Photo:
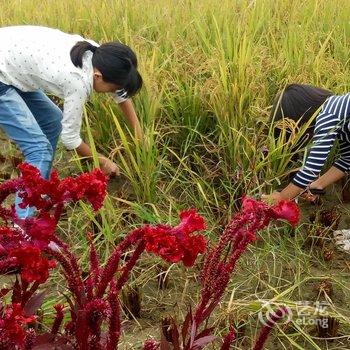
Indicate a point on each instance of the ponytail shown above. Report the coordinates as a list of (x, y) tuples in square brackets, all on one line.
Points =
[(134, 82), (118, 65), (78, 50)]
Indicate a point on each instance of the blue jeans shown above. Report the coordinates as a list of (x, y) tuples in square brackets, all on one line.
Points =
[(33, 122)]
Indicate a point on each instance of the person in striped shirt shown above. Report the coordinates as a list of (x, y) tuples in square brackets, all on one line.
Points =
[(331, 124), (300, 102)]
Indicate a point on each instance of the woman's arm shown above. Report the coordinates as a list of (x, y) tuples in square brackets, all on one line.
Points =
[(108, 166), (129, 111), (330, 176), (288, 193)]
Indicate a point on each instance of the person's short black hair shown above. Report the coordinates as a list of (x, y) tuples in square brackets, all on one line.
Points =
[(298, 102), (116, 62)]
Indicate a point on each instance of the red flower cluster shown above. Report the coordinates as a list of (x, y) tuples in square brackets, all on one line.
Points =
[(9, 239), (228, 340), (221, 260), (176, 244), (32, 265), (97, 310), (44, 194), (252, 206), (21, 254), (94, 303), (26, 246), (286, 210), (58, 319), (40, 229), (21, 247), (151, 345), (12, 324)]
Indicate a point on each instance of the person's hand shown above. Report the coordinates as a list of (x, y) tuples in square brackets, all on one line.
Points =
[(316, 185), (273, 198), (312, 193), (309, 197), (108, 167)]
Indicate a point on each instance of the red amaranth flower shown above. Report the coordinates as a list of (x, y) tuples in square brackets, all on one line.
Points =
[(150, 344), (221, 260), (265, 331), (114, 323), (33, 267), (286, 210), (96, 311), (229, 338), (58, 319), (30, 338)]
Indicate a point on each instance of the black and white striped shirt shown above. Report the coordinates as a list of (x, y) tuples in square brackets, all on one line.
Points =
[(332, 123)]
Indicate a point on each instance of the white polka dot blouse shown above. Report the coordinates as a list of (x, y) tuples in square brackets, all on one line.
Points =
[(38, 58)]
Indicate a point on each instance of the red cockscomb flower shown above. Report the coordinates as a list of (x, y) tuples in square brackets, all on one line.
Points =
[(33, 267), (159, 241), (286, 210), (90, 186), (40, 229), (176, 244), (251, 205), (44, 194), (191, 222), (193, 246)]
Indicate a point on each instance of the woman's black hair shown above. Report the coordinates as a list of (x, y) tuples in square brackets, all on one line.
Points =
[(116, 62), (298, 102)]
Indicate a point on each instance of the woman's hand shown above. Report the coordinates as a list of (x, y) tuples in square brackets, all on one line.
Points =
[(108, 167), (289, 193), (309, 197), (316, 185), (273, 198)]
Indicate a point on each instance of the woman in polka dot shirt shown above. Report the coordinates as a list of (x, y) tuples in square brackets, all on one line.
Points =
[(35, 60)]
